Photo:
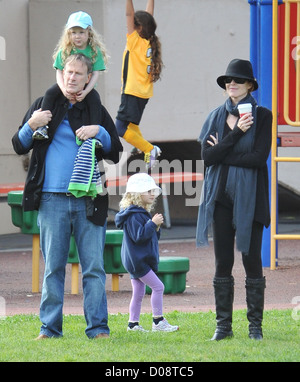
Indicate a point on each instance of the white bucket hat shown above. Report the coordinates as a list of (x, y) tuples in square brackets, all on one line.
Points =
[(142, 182)]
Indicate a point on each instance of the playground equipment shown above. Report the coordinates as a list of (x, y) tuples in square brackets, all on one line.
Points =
[(172, 270), (275, 55), (289, 81), (27, 221)]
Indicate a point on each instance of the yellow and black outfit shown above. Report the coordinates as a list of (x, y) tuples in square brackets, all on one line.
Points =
[(137, 88)]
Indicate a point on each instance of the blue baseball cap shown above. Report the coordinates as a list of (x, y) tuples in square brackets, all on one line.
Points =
[(79, 19)]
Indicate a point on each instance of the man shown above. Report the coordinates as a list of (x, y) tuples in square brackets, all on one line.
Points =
[(60, 213)]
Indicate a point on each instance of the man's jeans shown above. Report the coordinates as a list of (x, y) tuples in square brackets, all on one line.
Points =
[(59, 216)]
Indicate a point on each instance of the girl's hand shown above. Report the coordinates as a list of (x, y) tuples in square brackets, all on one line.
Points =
[(214, 140), (81, 95), (158, 219), (70, 96)]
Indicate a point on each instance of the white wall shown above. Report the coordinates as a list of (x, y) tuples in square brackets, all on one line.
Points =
[(199, 38)]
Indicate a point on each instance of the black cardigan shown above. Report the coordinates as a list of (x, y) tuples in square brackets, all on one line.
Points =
[(222, 153), (78, 116)]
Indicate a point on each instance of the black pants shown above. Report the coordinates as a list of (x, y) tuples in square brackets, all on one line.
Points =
[(224, 237)]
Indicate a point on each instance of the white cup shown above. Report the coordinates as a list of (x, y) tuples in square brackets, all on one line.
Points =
[(245, 108)]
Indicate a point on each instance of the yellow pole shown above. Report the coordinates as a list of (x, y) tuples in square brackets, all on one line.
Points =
[(287, 237), (115, 282), (286, 83), (287, 159), (35, 262), (74, 278), (274, 138)]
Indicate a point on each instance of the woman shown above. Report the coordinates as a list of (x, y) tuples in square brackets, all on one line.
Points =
[(235, 195)]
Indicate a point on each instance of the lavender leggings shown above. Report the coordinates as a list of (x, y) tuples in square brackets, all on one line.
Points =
[(138, 292)]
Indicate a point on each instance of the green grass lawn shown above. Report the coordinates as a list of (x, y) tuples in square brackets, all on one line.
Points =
[(190, 344)]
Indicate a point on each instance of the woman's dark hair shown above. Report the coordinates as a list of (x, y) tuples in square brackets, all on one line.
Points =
[(148, 24)]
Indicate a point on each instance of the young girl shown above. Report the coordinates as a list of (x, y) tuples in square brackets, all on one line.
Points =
[(142, 66), (140, 255), (78, 36)]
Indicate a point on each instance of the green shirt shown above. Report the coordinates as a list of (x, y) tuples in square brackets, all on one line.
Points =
[(98, 64)]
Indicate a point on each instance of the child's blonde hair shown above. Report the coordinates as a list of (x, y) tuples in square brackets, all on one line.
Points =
[(95, 41), (135, 199)]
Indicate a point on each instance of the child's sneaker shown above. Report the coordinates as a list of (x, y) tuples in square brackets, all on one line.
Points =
[(150, 158), (164, 326), (136, 328), (41, 133)]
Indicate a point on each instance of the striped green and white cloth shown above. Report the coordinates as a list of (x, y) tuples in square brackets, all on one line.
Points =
[(86, 179)]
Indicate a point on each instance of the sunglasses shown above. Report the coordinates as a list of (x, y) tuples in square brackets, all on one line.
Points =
[(237, 80)]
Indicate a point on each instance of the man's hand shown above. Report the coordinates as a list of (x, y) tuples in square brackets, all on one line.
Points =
[(39, 118), (86, 132)]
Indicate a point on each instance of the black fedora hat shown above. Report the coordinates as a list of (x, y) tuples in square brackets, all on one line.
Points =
[(238, 68)]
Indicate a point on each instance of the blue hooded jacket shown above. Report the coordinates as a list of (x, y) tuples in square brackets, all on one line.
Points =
[(139, 250)]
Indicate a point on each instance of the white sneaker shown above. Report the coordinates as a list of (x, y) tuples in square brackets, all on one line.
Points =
[(164, 326), (150, 158), (136, 328)]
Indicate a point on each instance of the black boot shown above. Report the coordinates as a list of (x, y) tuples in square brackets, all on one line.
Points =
[(223, 287), (255, 292)]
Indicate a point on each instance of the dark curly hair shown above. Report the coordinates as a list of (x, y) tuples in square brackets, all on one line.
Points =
[(148, 24)]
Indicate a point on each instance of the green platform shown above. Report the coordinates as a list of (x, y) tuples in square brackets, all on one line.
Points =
[(111, 255), (112, 252), (27, 222), (172, 272)]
